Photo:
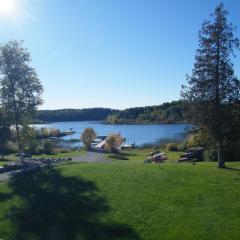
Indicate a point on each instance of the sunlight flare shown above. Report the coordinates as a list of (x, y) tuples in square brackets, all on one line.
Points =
[(7, 7)]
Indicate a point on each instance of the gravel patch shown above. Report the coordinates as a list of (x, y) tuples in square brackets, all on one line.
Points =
[(93, 157)]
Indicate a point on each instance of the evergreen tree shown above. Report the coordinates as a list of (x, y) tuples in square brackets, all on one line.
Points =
[(213, 91)]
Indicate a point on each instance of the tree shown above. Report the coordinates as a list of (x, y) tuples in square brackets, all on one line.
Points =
[(20, 88), (87, 137), (48, 147), (28, 138), (213, 91), (5, 132), (113, 142)]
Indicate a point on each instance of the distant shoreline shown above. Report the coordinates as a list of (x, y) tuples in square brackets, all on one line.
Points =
[(123, 123)]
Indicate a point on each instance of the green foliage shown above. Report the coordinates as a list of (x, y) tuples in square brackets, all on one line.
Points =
[(210, 155), (213, 91), (48, 147), (172, 147), (93, 114), (20, 88), (12, 147), (27, 137), (34, 147), (165, 113)]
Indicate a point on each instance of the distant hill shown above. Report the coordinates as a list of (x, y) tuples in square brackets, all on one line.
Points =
[(173, 112), (64, 115)]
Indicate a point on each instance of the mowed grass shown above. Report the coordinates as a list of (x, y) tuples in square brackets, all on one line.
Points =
[(142, 154), (76, 153), (123, 200)]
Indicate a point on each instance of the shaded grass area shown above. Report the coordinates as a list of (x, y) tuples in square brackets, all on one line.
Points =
[(61, 155), (49, 205), (8, 159), (123, 200), (125, 155), (12, 158)]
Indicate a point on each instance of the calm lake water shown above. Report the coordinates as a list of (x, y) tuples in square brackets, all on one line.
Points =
[(140, 134)]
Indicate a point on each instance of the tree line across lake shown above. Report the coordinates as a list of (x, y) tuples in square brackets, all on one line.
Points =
[(173, 112)]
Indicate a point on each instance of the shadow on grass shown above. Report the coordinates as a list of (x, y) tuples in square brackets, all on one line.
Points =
[(122, 155), (57, 207), (232, 169), (4, 196), (4, 160)]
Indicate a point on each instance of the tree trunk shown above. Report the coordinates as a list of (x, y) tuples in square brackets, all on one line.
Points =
[(221, 161), (19, 144)]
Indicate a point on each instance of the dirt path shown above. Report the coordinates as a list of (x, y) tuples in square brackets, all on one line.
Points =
[(92, 157), (4, 177)]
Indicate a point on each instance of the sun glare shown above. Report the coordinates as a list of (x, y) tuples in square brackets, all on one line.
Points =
[(7, 7)]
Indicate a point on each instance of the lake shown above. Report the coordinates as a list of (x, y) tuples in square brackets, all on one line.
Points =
[(138, 134)]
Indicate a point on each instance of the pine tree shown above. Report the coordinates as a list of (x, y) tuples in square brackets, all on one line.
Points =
[(213, 90)]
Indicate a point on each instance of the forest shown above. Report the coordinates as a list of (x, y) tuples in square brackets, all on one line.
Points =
[(172, 112), (64, 115)]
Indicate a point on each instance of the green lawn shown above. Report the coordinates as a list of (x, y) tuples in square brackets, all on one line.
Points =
[(142, 154), (61, 155), (123, 200)]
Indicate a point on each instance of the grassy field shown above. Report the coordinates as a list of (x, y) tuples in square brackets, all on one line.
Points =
[(123, 200), (61, 155), (142, 154)]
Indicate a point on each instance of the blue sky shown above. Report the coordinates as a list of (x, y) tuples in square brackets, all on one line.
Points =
[(110, 53)]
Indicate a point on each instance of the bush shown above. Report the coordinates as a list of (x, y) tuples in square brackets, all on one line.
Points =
[(48, 147), (172, 147), (11, 147), (183, 146), (210, 155), (63, 150), (33, 147)]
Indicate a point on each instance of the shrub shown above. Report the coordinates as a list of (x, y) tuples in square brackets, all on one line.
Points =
[(11, 147), (64, 150), (210, 155), (34, 147), (183, 146), (48, 147), (172, 147)]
